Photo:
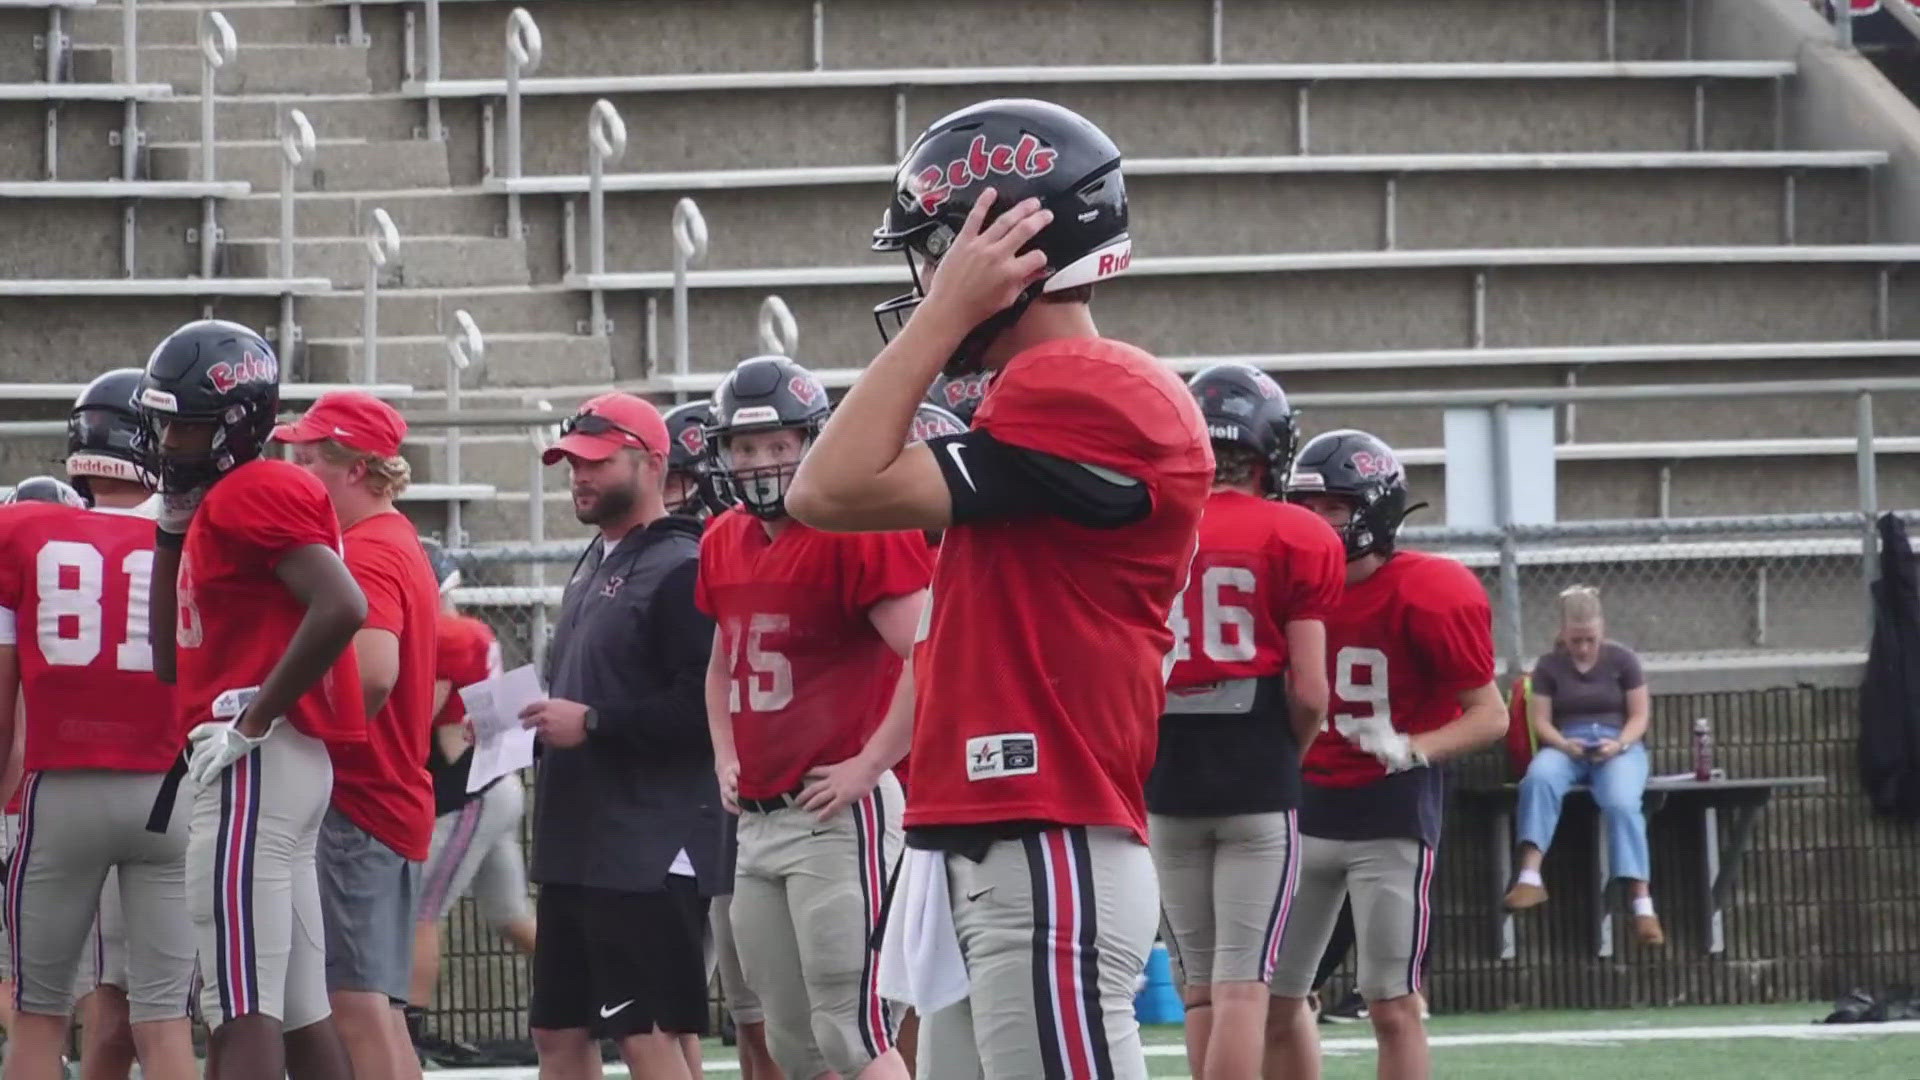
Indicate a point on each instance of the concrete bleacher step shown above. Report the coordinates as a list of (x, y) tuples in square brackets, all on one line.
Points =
[(254, 23), (415, 312), (337, 165), (486, 457), (259, 68), (423, 261), (415, 212), (257, 116), (512, 360)]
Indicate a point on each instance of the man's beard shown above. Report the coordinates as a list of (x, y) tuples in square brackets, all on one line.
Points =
[(612, 504)]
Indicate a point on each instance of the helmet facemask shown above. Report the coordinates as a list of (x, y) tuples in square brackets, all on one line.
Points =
[(761, 489)]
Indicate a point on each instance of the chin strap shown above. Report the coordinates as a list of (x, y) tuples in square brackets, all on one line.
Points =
[(966, 357)]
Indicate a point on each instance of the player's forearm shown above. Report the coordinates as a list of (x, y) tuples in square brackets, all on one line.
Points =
[(161, 611), (894, 737), (1307, 710), (324, 633), (869, 427), (720, 722), (1480, 724)]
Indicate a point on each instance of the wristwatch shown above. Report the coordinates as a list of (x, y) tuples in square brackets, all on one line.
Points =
[(592, 720)]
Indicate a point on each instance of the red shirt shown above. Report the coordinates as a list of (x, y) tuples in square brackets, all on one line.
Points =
[(76, 584), (1401, 648), (1261, 565), (465, 653), (235, 618), (382, 784), (810, 676), (1041, 679)]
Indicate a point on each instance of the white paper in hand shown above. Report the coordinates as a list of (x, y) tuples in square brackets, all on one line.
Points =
[(500, 744)]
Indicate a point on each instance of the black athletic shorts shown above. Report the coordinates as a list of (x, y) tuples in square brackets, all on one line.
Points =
[(620, 963)]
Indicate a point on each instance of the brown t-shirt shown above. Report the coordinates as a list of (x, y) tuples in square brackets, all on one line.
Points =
[(1595, 696)]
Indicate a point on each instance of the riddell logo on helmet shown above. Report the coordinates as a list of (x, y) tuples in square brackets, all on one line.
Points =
[(250, 368), (1114, 262), (932, 186)]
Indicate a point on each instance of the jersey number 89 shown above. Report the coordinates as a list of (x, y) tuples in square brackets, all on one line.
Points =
[(70, 616)]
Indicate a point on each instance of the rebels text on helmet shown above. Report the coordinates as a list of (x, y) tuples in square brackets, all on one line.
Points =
[(934, 185)]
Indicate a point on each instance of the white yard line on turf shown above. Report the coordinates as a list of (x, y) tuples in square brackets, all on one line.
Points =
[(1597, 1036)]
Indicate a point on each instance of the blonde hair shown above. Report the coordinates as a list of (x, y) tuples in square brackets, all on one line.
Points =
[(387, 477), (1579, 604)]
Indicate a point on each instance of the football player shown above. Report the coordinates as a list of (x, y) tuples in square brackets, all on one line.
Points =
[(812, 629), (1070, 511), (476, 836), (1247, 693), (690, 487), (254, 610), (379, 828), (73, 644), (1410, 657)]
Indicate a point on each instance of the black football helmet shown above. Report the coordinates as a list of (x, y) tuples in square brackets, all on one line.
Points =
[(959, 395), (102, 431), (446, 572), (766, 393), (931, 422), (215, 372), (45, 489), (1023, 149), (687, 456), (1244, 407), (1366, 471)]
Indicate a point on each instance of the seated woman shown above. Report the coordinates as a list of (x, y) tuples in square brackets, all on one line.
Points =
[(1588, 706)]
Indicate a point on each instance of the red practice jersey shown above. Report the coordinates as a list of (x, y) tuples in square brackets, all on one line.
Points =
[(235, 617), (1042, 673), (810, 677), (74, 586), (1261, 565), (382, 784), (465, 653), (1401, 648)]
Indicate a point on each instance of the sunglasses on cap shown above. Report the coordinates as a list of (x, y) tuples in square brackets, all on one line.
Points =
[(591, 423)]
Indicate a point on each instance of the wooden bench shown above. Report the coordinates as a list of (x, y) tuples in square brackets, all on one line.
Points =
[(1742, 797)]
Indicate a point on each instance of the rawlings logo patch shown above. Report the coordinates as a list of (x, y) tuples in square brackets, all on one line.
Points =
[(933, 186)]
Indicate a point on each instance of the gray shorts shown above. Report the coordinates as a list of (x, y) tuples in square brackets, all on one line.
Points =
[(75, 827), (1225, 884), (1390, 882), (476, 849), (367, 899)]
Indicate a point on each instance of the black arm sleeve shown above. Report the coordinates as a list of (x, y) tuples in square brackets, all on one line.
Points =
[(992, 481), (673, 718)]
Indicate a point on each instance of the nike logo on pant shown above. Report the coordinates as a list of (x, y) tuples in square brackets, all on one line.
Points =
[(609, 1010)]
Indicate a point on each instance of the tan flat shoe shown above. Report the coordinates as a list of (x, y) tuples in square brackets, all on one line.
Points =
[(1647, 929), (1523, 896)]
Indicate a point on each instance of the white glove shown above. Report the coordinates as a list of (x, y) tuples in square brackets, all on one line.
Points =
[(1392, 749), (176, 509), (216, 745)]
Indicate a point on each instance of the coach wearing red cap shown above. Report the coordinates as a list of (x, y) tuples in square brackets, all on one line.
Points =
[(380, 825), (627, 820)]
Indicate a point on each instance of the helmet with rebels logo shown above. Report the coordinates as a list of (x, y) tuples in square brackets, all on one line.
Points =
[(933, 422), (1023, 149), (102, 431), (1365, 471), (687, 457), (44, 489), (1244, 407), (959, 395), (209, 372), (766, 393)]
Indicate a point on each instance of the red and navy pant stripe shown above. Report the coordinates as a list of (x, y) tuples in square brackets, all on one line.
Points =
[(1066, 955), (870, 836), (238, 973)]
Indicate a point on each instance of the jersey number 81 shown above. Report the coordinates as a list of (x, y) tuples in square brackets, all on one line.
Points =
[(77, 607)]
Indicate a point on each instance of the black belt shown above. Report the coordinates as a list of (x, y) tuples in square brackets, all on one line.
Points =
[(769, 805), (162, 812)]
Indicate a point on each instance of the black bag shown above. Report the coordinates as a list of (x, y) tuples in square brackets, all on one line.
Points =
[(1890, 691)]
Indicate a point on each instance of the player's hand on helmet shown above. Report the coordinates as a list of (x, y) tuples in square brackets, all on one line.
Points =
[(1394, 750), (984, 271), (828, 789), (728, 773), (214, 746)]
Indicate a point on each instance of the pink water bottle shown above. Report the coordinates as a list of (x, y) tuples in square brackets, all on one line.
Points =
[(1702, 749)]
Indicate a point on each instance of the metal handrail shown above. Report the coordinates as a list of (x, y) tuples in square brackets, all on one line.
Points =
[(297, 147), (433, 68), (606, 145), (689, 248), (218, 48), (383, 243), (130, 127), (524, 51), (779, 332), (466, 346)]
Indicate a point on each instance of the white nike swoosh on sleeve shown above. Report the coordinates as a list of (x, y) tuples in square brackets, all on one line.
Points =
[(953, 451)]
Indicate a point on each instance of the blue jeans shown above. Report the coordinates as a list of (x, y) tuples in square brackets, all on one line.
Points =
[(1618, 786)]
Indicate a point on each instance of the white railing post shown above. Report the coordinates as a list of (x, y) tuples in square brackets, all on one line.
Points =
[(537, 525), (130, 129), (779, 333), (689, 249), (523, 58), (433, 69), (383, 243), (606, 144), (466, 346), (218, 47), (297, 146)]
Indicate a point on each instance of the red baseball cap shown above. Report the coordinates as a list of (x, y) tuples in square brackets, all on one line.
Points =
[(352, 418), (608, 423)]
